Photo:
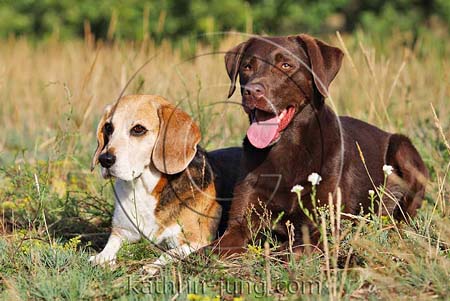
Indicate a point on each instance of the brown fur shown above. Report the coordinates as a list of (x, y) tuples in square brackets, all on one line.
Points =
[(188, 199), (177, 140), (310, 143)]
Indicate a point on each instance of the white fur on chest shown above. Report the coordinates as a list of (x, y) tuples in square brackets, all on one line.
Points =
[(134, 217), (135, 209)]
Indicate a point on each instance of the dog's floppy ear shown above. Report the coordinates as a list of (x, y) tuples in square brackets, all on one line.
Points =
[(102, 138), (177, 140), (233, 59), (325, 60)]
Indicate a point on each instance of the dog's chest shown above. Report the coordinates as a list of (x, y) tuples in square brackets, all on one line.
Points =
[(135, 207)]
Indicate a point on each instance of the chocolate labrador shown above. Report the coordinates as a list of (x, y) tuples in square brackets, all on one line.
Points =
[(294, 133)]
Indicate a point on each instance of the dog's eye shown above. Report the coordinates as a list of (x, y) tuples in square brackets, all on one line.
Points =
[(247, 67), (286, 66), (138, 130), (108, 128)]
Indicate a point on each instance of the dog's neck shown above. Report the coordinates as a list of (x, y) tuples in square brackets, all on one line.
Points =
[(310, 126), (150, 178), (313, 134), (146, 182)]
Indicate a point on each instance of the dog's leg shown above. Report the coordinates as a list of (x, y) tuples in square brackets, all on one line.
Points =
[(109, 253), (233, 241), (172, 255), (408, 182)]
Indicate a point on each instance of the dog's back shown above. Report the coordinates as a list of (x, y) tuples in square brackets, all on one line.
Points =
[(373, 148)]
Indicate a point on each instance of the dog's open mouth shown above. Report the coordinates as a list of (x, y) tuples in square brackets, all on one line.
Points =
[(266, 127)]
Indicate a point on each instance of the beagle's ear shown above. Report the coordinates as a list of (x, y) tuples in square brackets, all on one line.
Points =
[(325, 61), (177, 140), (102, 138), (233, 59)]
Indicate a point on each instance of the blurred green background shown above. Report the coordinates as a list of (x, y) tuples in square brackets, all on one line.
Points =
[(172, 19)]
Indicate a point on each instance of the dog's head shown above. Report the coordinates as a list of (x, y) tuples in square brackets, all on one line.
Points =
[(140, 130), (278, 77)]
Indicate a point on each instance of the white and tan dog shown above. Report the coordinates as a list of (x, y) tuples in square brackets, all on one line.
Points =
[(164, 184)]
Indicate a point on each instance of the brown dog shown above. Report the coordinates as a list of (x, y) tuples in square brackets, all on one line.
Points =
[(293, 133)]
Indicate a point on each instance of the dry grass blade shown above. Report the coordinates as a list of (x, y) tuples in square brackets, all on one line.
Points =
[(371, 65), (346, 52), (437, 123)]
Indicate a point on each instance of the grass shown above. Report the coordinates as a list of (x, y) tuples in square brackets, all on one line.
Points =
[(55, 212)]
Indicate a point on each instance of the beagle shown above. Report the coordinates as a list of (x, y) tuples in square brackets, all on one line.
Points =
[(164, 183)]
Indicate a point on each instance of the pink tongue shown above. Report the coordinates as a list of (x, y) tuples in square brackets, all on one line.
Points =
[(262, 133)]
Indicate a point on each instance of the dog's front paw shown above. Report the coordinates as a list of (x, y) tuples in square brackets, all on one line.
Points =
[(103, 260), (151, 269)]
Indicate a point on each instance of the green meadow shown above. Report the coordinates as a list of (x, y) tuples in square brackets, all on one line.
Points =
[(55, 212)]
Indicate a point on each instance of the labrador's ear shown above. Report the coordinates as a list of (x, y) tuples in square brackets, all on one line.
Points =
[(102, 138), (325, 61), (233, 59), (177, 140)]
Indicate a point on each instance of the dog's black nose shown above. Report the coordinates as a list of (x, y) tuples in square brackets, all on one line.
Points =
[(107, 160), (255, 90)]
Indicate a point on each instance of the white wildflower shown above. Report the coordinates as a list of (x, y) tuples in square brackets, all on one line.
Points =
[(371, 193), (387, 169), (297, 188), (314, 178)]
